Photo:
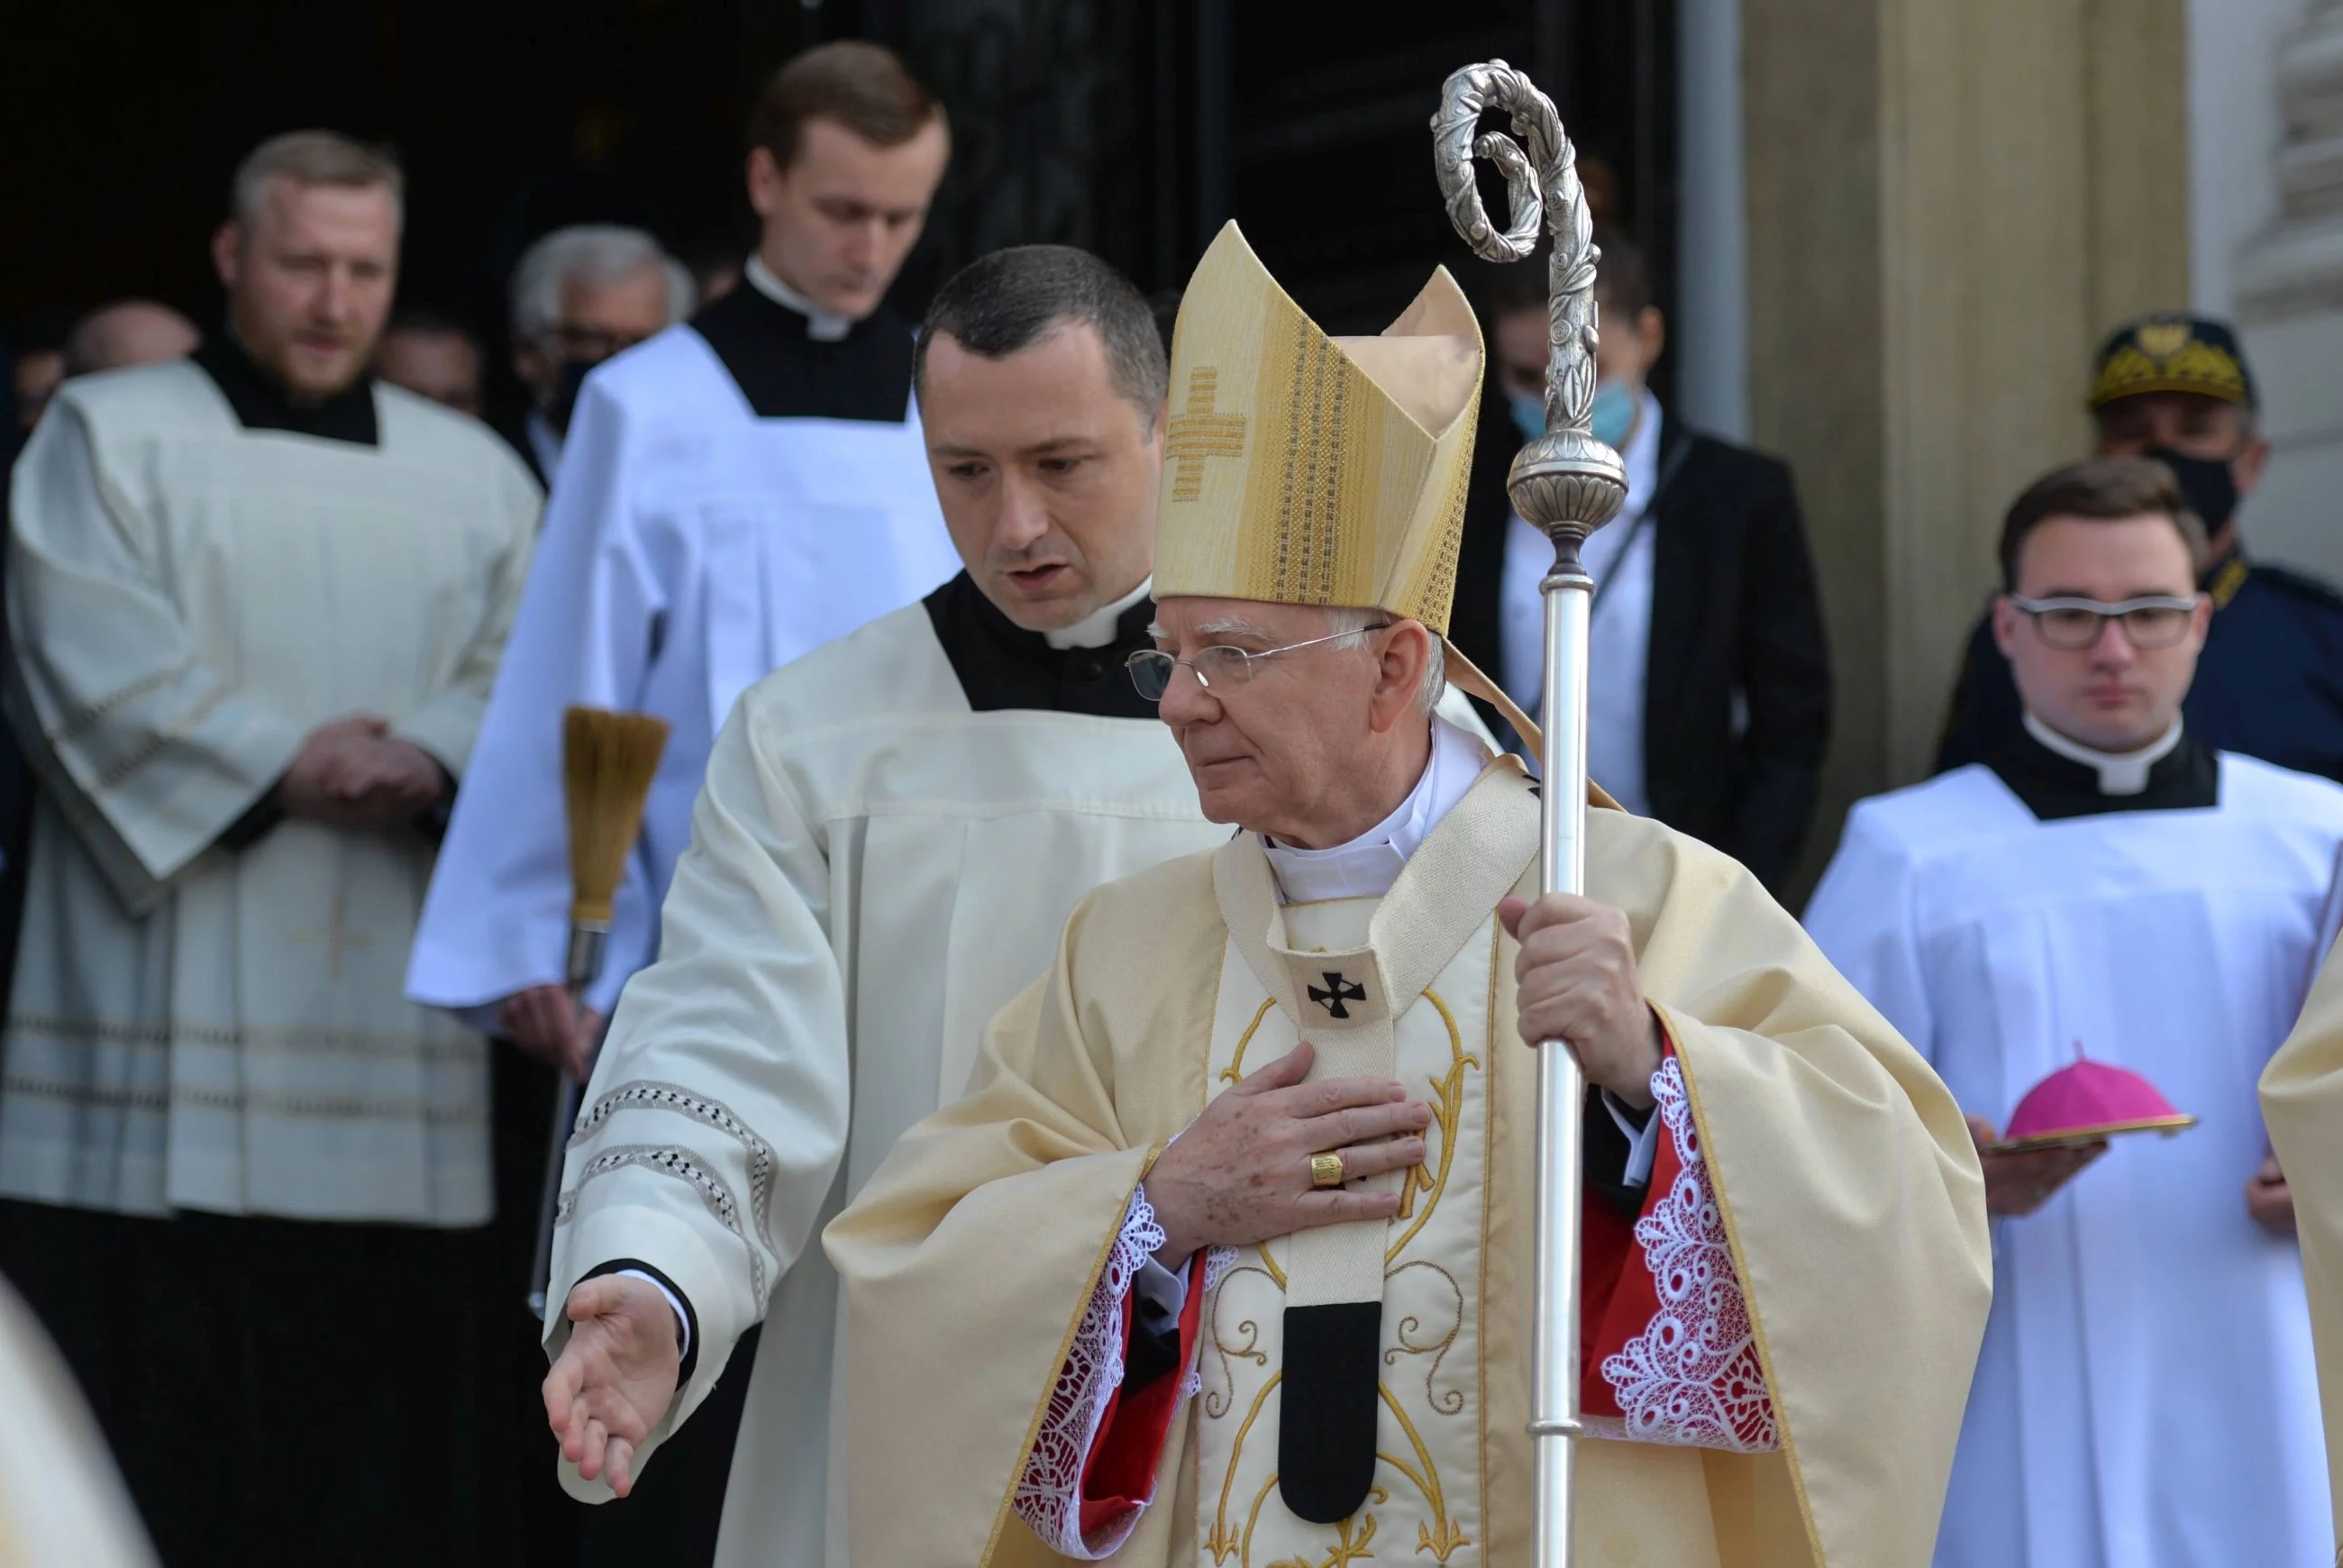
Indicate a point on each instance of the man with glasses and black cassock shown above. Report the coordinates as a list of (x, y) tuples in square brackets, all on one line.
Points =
[(2106, 886)]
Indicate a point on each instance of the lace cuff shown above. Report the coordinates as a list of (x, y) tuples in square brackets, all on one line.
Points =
[(1049, 1494), (1692, 1378)]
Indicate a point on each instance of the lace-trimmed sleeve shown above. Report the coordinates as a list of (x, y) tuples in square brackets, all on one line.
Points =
[(1049, 1494), (1692, 1378)]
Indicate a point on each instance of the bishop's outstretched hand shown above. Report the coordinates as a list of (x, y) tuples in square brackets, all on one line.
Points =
[(615, 1379)]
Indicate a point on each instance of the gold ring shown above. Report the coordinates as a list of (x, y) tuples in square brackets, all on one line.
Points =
[(1325, 1170)]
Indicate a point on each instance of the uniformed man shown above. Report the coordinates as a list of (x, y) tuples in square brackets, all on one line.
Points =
[(2177, 388)]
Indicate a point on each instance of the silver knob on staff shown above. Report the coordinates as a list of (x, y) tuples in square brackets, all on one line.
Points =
[(1566, 483)]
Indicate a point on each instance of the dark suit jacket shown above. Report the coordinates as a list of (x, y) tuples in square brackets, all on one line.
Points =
[(515, 430), (1735, 616)]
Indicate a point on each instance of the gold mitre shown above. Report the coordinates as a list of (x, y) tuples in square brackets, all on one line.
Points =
[(1301, 468)]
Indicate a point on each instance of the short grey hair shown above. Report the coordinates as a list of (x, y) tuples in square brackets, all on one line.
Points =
[(598, 254), (1004, 303), (1351, 624), (313, 157)]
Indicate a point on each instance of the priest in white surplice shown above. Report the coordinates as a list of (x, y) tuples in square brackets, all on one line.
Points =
[(894, 828), (731, 494), (735, 492), (2106, 886), (256, 601)]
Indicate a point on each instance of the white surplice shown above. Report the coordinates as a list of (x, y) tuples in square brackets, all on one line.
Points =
[(874, 870), (207, 1028), (690, 548), (2144, 1398)]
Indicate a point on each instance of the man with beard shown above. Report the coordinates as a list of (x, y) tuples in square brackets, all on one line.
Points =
[(257, 602)]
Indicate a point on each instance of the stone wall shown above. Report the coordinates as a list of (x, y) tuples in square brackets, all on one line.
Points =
[(1948, 206)]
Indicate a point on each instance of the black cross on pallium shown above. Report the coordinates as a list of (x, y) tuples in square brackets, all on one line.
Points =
[(1338, 991)]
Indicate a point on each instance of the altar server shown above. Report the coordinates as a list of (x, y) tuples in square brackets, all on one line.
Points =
[(2106, 886)]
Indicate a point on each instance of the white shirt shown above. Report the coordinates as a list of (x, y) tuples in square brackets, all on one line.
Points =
[(1619, 558), (1367, 866), (821, 325)]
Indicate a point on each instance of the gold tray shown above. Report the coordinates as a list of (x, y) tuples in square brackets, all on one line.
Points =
[(2076, 1137)]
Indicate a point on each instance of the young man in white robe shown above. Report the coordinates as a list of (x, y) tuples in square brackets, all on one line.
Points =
[(893, 830), (2302, 1096), (735, 492), (2106, 886), (256, 601), (1225, 1257)]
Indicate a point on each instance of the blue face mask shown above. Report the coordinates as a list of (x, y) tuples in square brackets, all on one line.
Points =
[(1613, 415), (1528, 414)]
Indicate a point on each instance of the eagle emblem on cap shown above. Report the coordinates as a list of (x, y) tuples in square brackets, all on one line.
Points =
[(2163, 339)]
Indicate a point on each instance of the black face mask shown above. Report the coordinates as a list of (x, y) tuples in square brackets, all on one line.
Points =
[(2206, 484), (565, 392)]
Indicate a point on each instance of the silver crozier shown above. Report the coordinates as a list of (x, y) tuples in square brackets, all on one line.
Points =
[(1567, 484)]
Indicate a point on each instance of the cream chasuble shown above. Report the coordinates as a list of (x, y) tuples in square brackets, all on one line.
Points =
[(1818, 1257), (199, 1027), (2302, 1100), (874, 868)]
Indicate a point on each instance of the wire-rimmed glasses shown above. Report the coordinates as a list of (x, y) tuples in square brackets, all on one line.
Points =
[(1150, 667)]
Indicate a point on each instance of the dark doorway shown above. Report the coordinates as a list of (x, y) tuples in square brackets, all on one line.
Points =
[(1133, 130)]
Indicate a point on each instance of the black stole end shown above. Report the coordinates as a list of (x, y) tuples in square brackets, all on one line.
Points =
[(1326, 1410)]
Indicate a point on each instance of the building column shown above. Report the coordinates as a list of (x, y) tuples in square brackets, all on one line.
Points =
[(2289, 282), (1948, 205)]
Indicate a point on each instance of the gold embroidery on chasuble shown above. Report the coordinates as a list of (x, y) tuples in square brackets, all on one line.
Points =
[(1425, 1503)]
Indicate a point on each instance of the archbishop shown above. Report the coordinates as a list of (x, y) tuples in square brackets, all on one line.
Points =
[(1226, 1258)]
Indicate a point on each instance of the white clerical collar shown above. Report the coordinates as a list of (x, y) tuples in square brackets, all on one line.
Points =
[(1367, 866), (2121, 773), (1098, 628), (821, 325)]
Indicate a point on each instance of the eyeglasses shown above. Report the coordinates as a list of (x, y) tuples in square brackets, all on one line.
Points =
[(1150, 667), (2075, 624)]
